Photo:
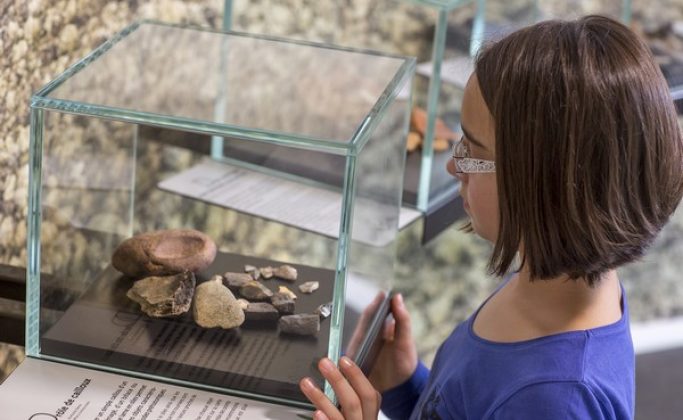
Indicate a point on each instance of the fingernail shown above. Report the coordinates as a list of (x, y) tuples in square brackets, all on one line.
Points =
[(346, 362), (326, 364), (400, 299), (307, 383)]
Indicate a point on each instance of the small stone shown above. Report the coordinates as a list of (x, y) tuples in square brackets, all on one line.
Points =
[(234, 281), (243, 303), (286, 291), (252, 271), (283, 303), (309, 287), (266, 272), (285, 272), (216, 306), (164, 296), (254, 290), (261, 311), (440, 145), (164, 252), (300, 324), (324, 310)]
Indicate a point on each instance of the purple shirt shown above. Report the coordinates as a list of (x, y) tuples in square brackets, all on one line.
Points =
[(574, 375)]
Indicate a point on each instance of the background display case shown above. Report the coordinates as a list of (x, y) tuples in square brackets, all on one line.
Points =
[(125, 142), (444, 35)]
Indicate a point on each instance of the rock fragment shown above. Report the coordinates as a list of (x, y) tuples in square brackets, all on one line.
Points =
[(243, 303), (216, 306), (234, 281), (309, 287), (285, 272), (286, 291), (324, 310), (164, 296), (252, 271), (261, 311), (266, 272), (300, 324), (254, 290), (283, 303)]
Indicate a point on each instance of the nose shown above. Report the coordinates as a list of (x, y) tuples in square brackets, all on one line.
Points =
[(450, 167)]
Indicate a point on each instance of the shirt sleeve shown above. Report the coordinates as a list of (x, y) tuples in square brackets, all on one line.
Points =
[(552, 400), (398, 402)]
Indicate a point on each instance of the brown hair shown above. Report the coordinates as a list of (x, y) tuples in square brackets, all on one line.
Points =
[(589, 153)]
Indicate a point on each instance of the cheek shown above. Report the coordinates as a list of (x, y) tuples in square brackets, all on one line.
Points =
[(483, 202)]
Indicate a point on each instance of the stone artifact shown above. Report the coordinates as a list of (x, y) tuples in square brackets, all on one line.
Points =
[(164, 252), (309, 287), (163, 296), (261, 311), (285, 272), (266, 272), (216, 306), (234, 281), (252, 271), (324, 310), (300, 324), (253, 290), (283, 303), (286, 291)]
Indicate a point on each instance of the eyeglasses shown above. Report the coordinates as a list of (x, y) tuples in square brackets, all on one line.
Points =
[(464, 164)]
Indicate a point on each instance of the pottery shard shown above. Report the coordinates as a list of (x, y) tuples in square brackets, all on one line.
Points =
[(261, 311), (254, 290), (164, 296), (283, 303), (309, 287), (300, 324), (285, 272), (234, 281), (418, 123), (216, 306), (164, 252)]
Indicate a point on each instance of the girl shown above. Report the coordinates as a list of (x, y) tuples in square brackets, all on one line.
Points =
[(571, 162)]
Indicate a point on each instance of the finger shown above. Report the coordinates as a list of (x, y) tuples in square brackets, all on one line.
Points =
[(348, 399), (403, 329), (389, 330), (369, 397), (319, 400), (319, 415)]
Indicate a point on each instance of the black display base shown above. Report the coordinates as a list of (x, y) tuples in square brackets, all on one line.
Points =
[(105, 328)]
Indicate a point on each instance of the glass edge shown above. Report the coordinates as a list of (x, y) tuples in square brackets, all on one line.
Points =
[(179, 382), (366, 127), (187, 124), (89, 58), (322, 45)]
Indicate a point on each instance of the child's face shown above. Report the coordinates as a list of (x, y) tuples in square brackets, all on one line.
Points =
[(478, 190)]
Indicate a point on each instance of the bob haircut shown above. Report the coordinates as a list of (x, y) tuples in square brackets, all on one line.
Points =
[(589, 153)]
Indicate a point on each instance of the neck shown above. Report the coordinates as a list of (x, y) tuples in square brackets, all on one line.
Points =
[(562, 304)]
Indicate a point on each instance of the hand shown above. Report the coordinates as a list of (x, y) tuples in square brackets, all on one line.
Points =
[(397, 360), (357, 398)]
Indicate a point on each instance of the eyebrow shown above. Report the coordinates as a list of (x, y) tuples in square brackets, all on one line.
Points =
[(472, 139)]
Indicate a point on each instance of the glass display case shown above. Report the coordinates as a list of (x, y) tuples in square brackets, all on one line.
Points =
[(444, 35), (215, 209)]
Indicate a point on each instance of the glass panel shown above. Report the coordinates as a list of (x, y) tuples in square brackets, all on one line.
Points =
[(127, 151), (372, 250), (292, 89)]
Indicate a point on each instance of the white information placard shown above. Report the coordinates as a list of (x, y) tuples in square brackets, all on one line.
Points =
[(44, 390)]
